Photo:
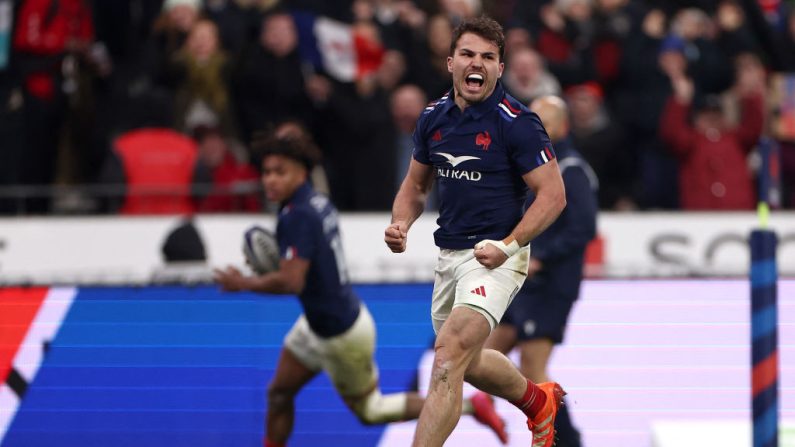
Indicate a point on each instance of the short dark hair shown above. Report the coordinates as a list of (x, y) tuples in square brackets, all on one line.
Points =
[(483, 26), (298, 147)]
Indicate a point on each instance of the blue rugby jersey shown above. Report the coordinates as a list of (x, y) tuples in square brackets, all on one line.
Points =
[(479, 157), (307, 228), (561, 247)]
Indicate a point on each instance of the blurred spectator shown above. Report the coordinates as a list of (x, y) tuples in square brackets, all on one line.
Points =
[(11, 134), (785, 39), (614, 21), (693, 35), (516, 38), (115, 76), (734, 36), (341, 10), (617, 18), (202, 71), (428, 53), (49, 37), (63, 79), (156, 168), (125, 27), (235, 184), (782, 129), (526, 77), (603, 144), (169, 33), (132, 93), (269, 84), (565, 40), (750, 77), (354, 131), (458, 10), (238, 21), (527, 16), (406, 105), (713, 170), (392, 70), (639, 97)]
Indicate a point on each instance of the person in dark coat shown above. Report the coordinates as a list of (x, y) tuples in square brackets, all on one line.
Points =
[(269, 84)]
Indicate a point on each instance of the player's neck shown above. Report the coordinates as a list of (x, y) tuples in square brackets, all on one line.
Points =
[(463, 103)]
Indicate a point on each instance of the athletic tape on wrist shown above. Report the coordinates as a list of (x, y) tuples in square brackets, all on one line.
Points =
[(509, 249)]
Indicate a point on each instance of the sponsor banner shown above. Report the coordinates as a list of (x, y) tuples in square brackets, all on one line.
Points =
[(688, 244), (114, 250)]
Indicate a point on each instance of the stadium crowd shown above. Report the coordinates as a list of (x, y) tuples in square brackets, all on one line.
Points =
[(151, 106)]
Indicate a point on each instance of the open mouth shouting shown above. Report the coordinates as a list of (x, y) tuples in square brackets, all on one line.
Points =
[(474, 82)]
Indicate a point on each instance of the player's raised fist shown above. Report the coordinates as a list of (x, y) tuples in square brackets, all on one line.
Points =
[(395, 237)]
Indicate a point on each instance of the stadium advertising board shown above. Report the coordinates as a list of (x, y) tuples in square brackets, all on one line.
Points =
[(114, 250)]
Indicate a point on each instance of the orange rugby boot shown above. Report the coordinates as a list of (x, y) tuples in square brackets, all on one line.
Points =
[(543, 424)]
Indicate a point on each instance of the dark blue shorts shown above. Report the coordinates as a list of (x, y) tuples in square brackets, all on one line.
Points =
[(541, 310)]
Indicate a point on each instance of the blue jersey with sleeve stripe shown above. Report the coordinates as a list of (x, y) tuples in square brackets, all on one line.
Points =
[(479, 156), (308, 228), (561, 247)]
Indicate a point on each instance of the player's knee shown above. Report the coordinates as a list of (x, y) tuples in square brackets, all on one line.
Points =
[(451, 347), (280, 398), (376, 408), (452, 353)]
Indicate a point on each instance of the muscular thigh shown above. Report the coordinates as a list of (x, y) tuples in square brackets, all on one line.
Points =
[(462, 281), (444, 286), (490, 291), (348, 357), (290, 375)]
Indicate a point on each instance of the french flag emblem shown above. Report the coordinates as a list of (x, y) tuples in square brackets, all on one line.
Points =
[(336, 48), (544, 156)]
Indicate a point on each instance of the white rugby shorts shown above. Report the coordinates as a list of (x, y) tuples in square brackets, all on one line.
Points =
[(347, 358), (460, 280)]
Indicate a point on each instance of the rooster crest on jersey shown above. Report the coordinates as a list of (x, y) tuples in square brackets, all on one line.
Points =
[(483, 140), (261, 250)]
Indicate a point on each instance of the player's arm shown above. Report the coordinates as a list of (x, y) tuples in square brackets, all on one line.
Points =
[(547, 184), (409, 204), (579, 221), (550, 201), (289, 279)]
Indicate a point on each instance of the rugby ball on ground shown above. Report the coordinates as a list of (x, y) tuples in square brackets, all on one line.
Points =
[(261, 250)]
